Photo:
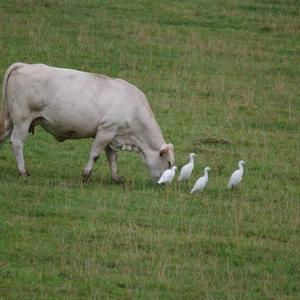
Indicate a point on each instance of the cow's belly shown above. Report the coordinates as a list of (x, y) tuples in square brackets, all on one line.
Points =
[(62, 133), (69, 125)]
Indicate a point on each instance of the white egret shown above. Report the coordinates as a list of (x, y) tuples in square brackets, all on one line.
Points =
[(201, 182), (236, 176), (167, 176), (186, 170)]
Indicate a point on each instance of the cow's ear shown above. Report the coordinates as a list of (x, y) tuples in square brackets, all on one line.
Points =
[(170, 147), (163, 150), (166, 149)]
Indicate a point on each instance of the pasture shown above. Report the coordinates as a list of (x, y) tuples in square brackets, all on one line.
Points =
[(222, 78)]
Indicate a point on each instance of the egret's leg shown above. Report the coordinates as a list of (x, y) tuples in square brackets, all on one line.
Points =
[(111, 155)]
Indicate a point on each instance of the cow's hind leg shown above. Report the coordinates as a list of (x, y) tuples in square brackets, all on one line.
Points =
[(6, 127), (111, 155), (101, 140), (17, 139)]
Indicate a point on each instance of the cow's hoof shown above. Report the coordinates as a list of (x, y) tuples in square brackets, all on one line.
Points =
[(118, 179), (24, 174), (85, 177)]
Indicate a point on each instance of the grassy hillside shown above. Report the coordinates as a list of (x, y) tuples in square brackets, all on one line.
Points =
[(222, 78)]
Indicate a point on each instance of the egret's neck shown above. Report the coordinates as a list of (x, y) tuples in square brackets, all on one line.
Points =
[(205, 173), (241, 169), (192, 160)]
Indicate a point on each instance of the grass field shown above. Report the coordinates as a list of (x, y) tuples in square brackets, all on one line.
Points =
[(222, 78)]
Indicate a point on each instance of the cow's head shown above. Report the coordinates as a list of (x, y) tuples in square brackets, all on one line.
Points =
[(158, 161)]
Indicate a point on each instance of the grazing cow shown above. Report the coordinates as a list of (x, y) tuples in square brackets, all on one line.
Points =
[(72, 104)]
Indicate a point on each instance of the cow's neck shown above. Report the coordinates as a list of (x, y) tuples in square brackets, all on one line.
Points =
[(150, 142)]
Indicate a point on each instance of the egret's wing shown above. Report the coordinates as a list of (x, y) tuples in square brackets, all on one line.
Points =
[(185, 172), (199, 184), (233, 179), (194, 189), (164, 177), (161, 179)]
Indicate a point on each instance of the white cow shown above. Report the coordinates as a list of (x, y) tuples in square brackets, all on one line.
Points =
[(72, 104)]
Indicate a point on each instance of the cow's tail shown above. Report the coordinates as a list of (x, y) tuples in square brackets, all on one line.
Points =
[(6, 125)]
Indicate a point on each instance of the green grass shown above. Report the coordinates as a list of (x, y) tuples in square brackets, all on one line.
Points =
[(222, 78)]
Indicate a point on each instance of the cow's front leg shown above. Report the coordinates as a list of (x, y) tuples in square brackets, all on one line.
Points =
[(111, 155), (17, 139), (101, 140)]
